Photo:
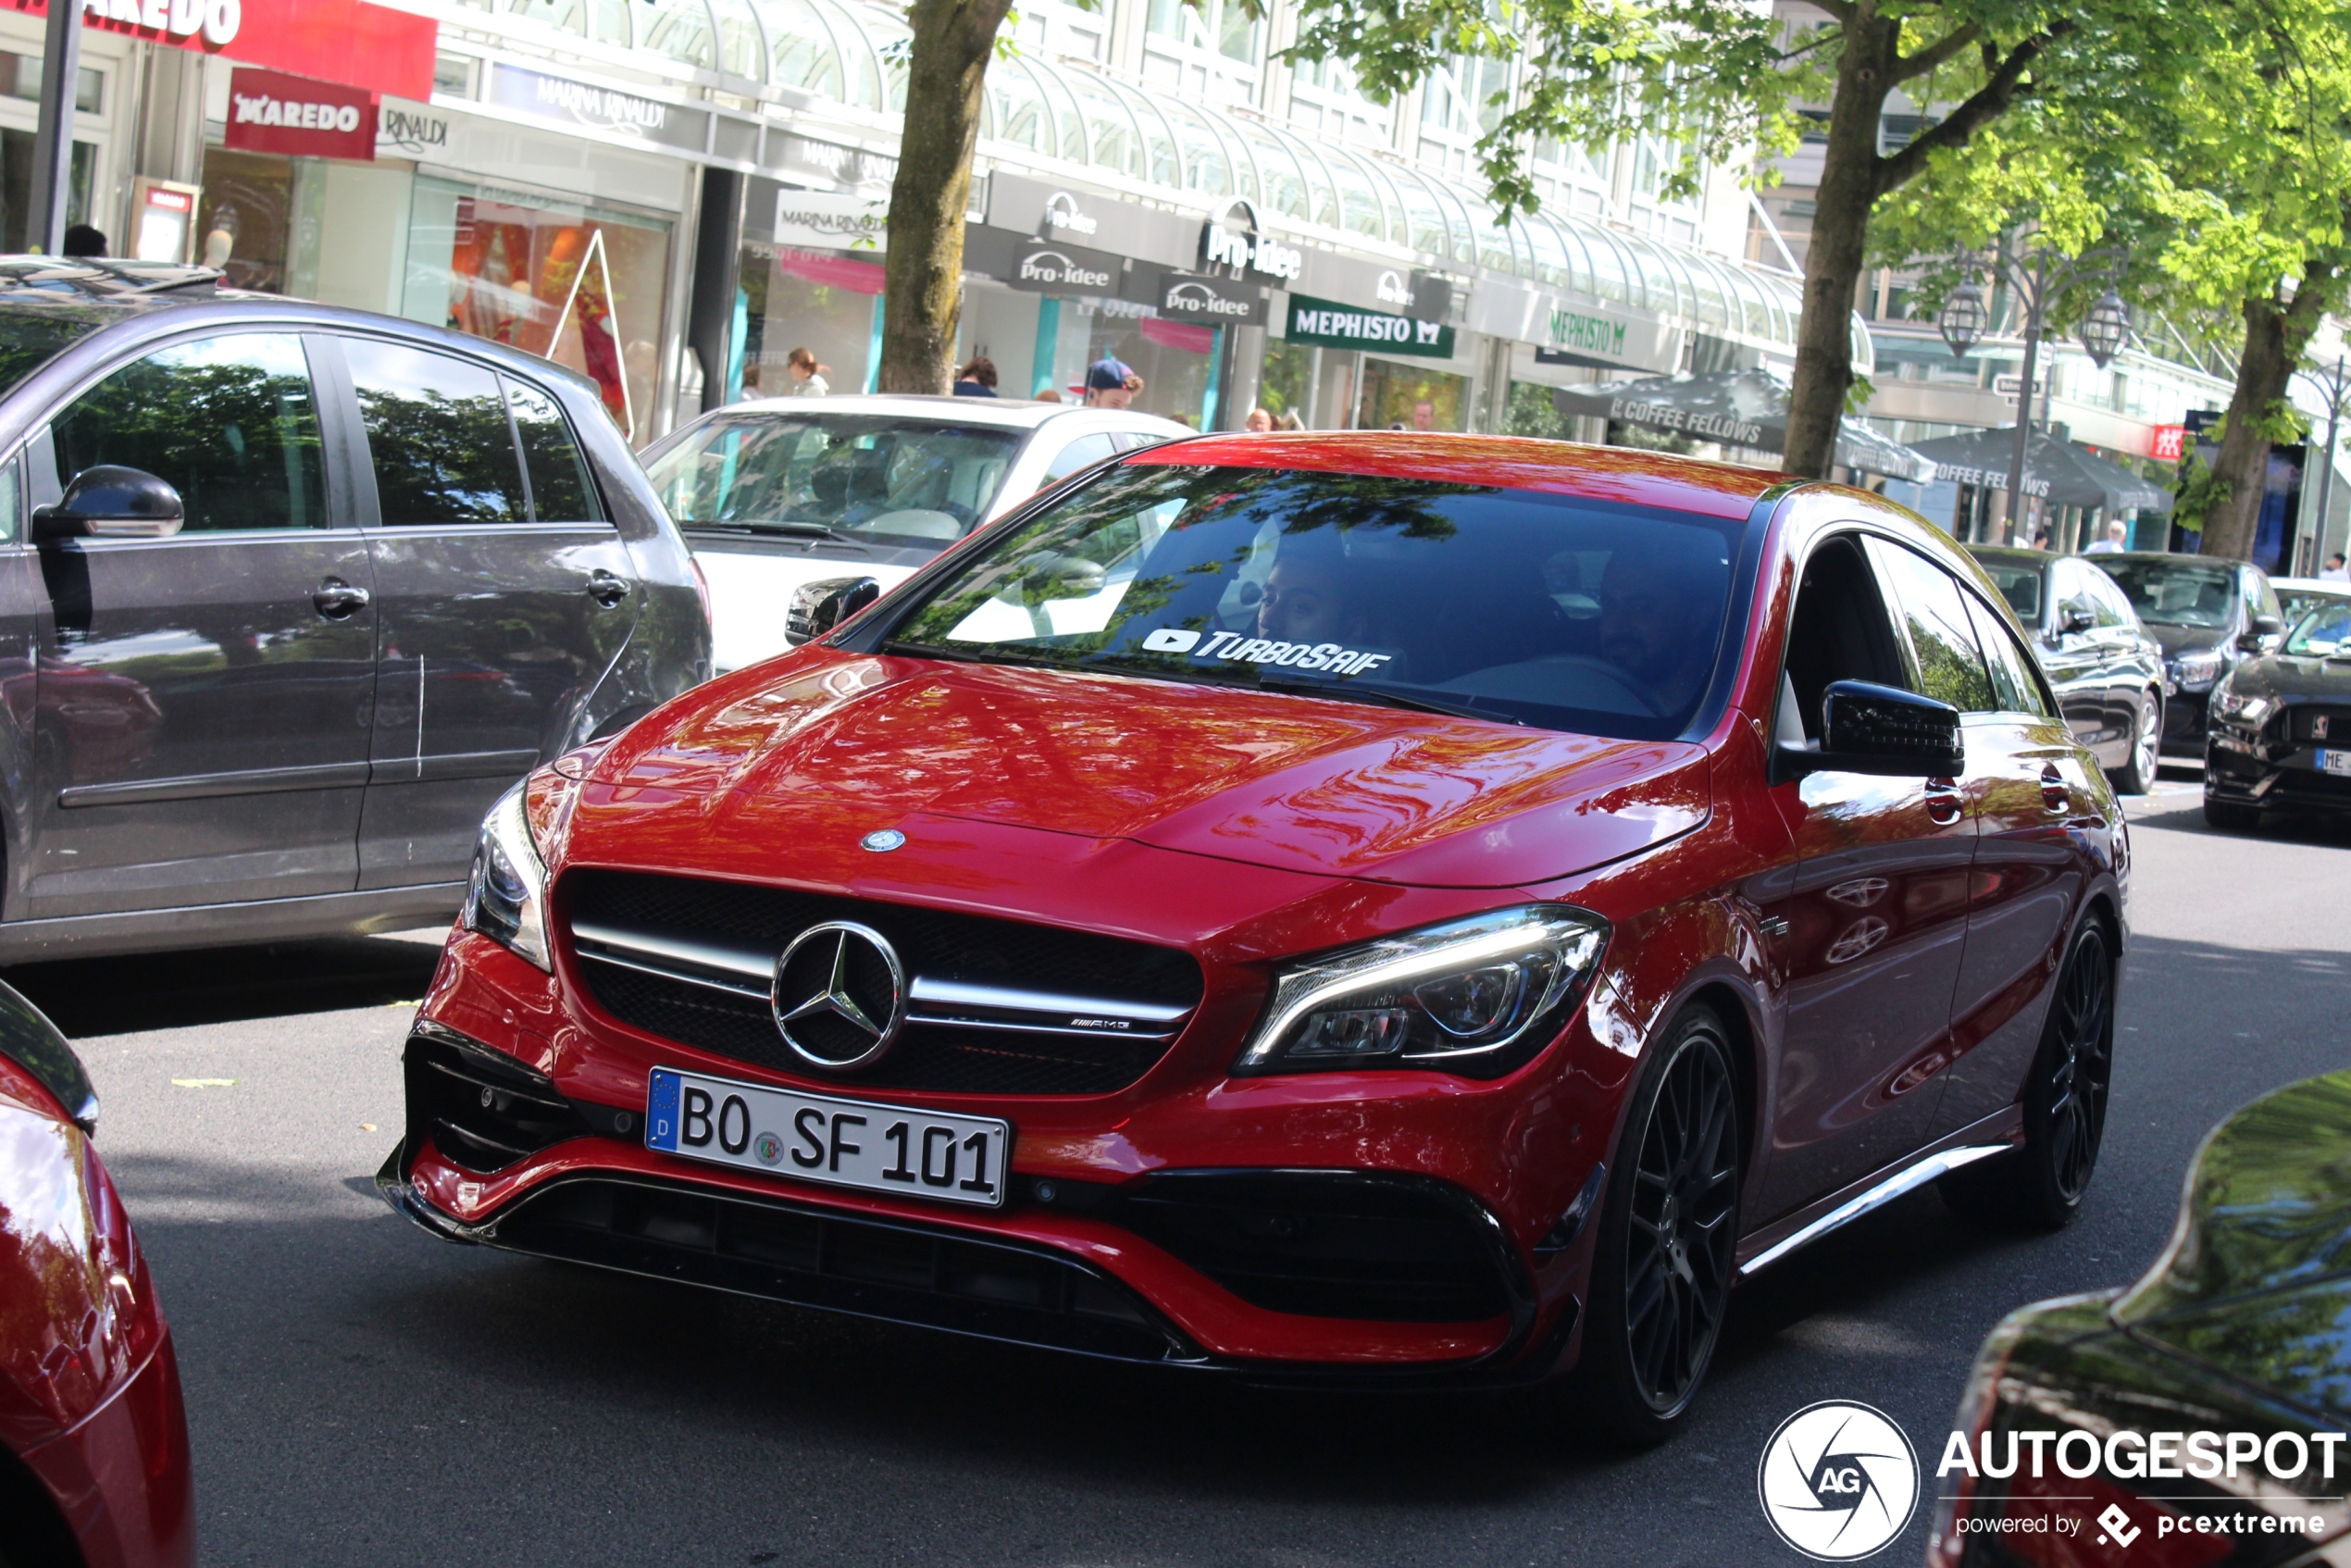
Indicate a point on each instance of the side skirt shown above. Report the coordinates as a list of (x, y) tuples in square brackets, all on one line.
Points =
[(1995, 1134), (226, 925)]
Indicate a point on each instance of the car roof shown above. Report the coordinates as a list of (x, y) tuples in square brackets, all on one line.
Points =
[(1558, 467), (2312, 585), (2012, 552), (1017, 413), (133, 284)]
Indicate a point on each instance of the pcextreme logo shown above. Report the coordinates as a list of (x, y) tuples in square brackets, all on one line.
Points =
[(1838, 1480)]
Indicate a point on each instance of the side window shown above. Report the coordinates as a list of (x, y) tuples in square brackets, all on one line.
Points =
[(1078, 454), (2113, 604), (2013, 682), (228, 422), (1942, 637), (2261, 599), (437, 437), (560, 489), (1839, 631), (11, 501)]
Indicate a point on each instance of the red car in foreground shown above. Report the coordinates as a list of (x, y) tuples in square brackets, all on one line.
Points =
[(93, 1441), (1381, 908)]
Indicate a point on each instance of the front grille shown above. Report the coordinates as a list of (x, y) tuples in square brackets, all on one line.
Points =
[(1329, 1243), (2308, 719), (725, 1010), (904, 1272)]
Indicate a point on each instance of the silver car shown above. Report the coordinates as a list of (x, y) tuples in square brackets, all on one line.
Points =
[(783, 491)]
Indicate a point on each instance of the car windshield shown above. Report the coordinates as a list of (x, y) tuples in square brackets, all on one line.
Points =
[(1468, 599), (2020, 584), (2176, 593), (2298, 603), (34, 331), (869, 477), (2322, 633)]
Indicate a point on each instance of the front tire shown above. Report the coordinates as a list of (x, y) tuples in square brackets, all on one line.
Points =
[(2040, 1185), (1662, 1269), (2136, 776)]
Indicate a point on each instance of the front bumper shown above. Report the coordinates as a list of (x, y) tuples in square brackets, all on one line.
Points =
[(2247, 773), (1248, 1227)]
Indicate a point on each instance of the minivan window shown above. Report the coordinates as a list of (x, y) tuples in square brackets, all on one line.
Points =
[(2020, 584), (560, 489), (2180, 592), (869, 477), (1472, 598), (228, 421), (440, 445)]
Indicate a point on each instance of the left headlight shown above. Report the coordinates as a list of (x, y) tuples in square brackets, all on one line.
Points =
[(2247, 710), (2196, 671), (1475, 996), (506, 899)]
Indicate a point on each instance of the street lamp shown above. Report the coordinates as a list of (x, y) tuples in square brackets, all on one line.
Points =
[(1964, 317), (2038, 275), (2107, 328)]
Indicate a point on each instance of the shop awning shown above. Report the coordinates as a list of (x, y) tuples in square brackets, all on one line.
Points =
[(2055, 471), (1737, 407)]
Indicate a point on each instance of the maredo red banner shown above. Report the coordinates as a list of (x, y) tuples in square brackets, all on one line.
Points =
[(270, 112), (371, 47)]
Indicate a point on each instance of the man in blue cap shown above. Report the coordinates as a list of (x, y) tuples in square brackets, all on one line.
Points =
[(1110, 384)]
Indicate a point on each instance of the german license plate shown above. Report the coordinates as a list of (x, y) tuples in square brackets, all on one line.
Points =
[(2336, 760), (819, 1137)]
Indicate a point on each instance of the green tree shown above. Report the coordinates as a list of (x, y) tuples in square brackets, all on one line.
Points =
[(1725, 80)]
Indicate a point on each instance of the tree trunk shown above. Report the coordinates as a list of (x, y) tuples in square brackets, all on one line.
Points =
[(946, 75), (2274, 339), (1849, 178)]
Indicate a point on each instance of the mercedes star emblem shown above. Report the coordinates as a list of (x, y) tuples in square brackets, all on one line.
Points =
[(840, 996), (881, 839)]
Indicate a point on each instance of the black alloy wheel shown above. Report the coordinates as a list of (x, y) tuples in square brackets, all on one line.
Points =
[(1666, 1260), (2040, 1185), (2137, 775)]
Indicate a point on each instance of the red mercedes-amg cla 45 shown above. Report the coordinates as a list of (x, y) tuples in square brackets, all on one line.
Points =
[(1397, 908)]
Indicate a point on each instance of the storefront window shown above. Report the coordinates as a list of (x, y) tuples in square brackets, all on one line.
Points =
[(1173, 357), (1286, 382), (580, 285), (1533, 412), (1405, 397), (243, 218), (16, 189), (824, 302)]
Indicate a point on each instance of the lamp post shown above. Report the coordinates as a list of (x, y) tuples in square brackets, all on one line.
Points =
[(2038, 275), (2335, 385)]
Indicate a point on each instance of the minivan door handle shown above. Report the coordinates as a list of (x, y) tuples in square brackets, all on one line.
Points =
[(337, 599), (606, 589)]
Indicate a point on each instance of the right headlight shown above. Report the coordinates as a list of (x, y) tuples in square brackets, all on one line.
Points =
[(2247, 710), (1475, 996), (2196, 671), (506, 898)]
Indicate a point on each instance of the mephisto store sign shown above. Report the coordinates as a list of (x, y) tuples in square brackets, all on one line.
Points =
[(1327, 325)]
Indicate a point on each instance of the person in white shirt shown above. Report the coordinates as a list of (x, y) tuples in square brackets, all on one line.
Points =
[(808, 377), (2335, 571), (2116, 532)]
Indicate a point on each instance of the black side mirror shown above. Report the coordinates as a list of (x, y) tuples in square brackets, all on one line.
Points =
[(2074, 616), (1881, 730), (2258, 640), (110, 502), (817, 608)]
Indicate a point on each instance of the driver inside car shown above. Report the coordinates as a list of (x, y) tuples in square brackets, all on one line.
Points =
[(1656, 626)]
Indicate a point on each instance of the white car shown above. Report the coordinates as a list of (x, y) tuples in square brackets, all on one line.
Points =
[(782, 492)]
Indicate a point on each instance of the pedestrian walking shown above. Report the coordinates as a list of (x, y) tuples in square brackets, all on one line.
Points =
[(808, 377)]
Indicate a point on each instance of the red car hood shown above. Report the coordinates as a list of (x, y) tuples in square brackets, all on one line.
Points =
[(1325, 788)]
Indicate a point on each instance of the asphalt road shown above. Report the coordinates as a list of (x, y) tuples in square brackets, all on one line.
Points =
[(361, 1393)]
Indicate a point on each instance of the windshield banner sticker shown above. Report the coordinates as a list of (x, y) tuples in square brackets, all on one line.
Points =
[(1239, 646)]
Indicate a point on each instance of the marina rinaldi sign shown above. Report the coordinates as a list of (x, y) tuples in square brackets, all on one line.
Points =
[(1327, 325)]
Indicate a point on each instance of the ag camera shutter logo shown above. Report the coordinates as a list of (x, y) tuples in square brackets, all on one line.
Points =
[(1838, 1481)]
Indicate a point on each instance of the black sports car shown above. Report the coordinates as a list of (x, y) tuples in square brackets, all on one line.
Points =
[(2198, 1416), (2106, 668), (2280, 731), (2208, 615)]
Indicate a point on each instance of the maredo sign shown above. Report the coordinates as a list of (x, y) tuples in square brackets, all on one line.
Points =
[(373, 48), (270, 112)]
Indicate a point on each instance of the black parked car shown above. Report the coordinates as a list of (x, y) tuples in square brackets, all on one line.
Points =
[(2280, 731), (2197, 1416), (289, 595), (2208, 615), (2107, 671)]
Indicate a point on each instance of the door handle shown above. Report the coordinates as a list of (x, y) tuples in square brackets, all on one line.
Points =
[(606, 589), (1945, 804), (2055, 796), (337, 599)]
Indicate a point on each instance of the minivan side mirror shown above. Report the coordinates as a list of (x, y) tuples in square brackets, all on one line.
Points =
[(1880, 729), (2258, 640), (817, 608), (2074, 616), (108, 500)]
